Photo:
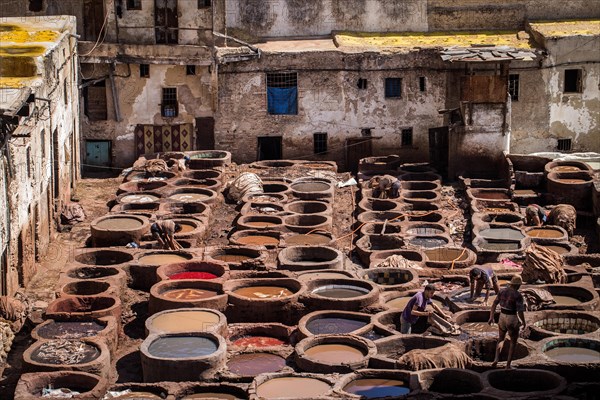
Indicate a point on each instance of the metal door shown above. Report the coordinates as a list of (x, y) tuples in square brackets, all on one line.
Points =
[(438, 149), (165, 21), (97, 153)]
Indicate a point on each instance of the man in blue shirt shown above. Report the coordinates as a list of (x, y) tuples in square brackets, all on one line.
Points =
[(416, 308)]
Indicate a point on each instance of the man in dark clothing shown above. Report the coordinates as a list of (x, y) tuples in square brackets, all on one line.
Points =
[(480, 277), (535, 215), (416, 308), (511, 317)]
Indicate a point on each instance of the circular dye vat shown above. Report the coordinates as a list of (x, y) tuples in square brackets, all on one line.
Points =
[(499, 246), (232, 258), (479, 329), (189, 294), (310, 186), (182, 347), (428, 242), (492, 195), (322, 275), (573, 354), (189, 197), (463, 297), (571, 180), (252, 364), (371, 388), (138, 396), (334, 353), (70, 330), (501, 234), (186, 227), (340, 291), (566, 300), (159, 259), (57, 352), (185, 321), (547, 233), (312, 239), (258, 240), (211, 395), (257, 341), (139, 199), (263, 292), (400, 303), (301, 387), (332, 325), (446, 254), (193, 275), (566, 168), (120, 223), (260, 224)]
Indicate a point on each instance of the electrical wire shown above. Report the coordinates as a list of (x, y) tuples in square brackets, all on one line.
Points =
[(101, 34)]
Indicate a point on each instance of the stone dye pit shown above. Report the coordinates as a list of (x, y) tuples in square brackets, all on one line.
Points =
[(292, 293)]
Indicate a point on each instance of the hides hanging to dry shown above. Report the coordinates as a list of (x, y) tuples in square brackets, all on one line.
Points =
[(536, 299), (543, 264), (71, 214), (245, 183), (13, 311), (155, 166), (397, 261), (447, 356)]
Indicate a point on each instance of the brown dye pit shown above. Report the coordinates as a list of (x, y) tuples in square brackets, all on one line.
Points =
[(186, 228), (500, 246), (310, 187), (501, 234), (160, 259), (565, 180), (232, 258), (120, 223), (188, 197), (260, 224), (301, 387), (263, 292), (189, 294), (258, 240), (58, 352), (252, 364), (445, 254), (334, 353), (566, 168), (574, 354), (211, 395), (492, 196), (70, 330), (566, 300), (257, 341), (496, 210), (138, 199), (375, 388), (264, 199), (557, 249), (311, 239), (545, 233), (185, 321), (138, 396), (465, 296), (525, 192), (424, 231), (322, 275)]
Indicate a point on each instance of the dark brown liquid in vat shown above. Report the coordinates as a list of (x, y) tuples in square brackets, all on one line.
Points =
[(260, 224), (545, 233), (311, 239), (258, 240), (252, 364), (492, 195)]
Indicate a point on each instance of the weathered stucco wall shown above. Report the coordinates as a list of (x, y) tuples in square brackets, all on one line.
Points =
[(45, 157), (330, 101), (286, 18), (140, 99)]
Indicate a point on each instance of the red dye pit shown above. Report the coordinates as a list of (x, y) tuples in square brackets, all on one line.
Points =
[(257, 341), (193, 275)]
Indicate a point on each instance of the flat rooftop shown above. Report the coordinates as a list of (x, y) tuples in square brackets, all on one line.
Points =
[(557, 29)]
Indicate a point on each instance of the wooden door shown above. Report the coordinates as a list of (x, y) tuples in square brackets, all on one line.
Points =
[(205, 133), (357, 148), (165, 21), (438, 149), (93, 18)]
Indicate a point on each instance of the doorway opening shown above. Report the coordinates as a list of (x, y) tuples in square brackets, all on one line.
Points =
[(269, 148)]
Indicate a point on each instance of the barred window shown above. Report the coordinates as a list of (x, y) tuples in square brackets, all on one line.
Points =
[(134, 4), (144, 71), (564, 145), (513, 86), (282, 93), (393, 87), (169, 106)]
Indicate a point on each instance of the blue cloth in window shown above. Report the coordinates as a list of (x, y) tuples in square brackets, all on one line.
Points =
[(282, 100)]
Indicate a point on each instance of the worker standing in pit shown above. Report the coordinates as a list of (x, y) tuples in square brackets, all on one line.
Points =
[(164, 231)]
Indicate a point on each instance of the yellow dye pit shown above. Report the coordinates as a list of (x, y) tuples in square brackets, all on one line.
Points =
[(431, 39), (567, 28)]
